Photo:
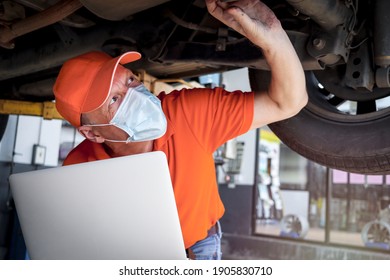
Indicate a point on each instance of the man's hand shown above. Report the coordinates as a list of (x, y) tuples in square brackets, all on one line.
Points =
[(251, 18)]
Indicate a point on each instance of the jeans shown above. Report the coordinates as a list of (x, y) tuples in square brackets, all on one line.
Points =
[(208, 248)]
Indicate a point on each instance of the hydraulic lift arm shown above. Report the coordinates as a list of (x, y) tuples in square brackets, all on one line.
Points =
[(46, 109)]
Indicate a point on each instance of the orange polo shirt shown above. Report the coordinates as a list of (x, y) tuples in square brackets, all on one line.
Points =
[(199, 121)]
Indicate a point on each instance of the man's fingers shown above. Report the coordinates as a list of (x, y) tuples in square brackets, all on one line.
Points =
[(242, 22), (219, 11), (211, 5), (251, 18)]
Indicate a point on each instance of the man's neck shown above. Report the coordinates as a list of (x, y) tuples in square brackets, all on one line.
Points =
[(123, 149)]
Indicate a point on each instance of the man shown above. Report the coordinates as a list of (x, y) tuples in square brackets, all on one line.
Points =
[(117, 115)]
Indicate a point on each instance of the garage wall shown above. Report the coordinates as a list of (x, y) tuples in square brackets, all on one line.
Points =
[(23, 132)]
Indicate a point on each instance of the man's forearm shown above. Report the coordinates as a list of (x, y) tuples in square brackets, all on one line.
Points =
[(287, 87)]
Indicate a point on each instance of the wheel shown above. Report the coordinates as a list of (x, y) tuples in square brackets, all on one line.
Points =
[(340, 128), (293, 225), (376, 232)]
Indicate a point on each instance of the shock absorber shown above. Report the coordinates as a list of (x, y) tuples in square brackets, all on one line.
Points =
[(382, 42)]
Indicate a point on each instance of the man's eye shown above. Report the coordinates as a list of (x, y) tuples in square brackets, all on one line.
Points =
[(132, 82), (113, 100)]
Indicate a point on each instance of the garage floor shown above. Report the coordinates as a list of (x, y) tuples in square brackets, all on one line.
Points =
[(267, 244), (316, 234)]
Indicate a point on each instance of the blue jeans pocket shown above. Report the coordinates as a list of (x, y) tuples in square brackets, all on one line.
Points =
[(208, 248)]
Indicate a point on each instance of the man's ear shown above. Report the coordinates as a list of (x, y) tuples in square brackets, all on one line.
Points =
[(89, 134)]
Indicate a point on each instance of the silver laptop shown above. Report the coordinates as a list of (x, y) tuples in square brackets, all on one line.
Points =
[(121, 208)]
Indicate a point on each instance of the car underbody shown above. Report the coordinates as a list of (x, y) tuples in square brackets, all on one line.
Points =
[(344, 47)]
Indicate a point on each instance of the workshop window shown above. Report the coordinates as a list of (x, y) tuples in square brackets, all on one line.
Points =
[(360, 209), (292, 201)]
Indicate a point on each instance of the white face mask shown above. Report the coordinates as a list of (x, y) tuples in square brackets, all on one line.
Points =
[(140, 115)]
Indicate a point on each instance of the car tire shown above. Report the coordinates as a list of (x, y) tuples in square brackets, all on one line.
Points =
[(357, 144)]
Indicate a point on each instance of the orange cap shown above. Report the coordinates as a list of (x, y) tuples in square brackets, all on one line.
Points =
[(85, 81)]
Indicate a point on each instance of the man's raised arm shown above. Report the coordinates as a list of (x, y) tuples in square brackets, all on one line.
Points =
[(286, 94)]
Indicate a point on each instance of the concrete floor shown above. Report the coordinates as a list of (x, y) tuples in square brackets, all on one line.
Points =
[(316, 234), (268, 245)]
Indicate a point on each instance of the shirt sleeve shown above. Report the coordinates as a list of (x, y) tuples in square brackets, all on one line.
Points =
[(216, 115)]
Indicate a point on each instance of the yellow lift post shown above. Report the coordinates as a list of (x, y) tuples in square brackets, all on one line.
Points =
[(46, 109)]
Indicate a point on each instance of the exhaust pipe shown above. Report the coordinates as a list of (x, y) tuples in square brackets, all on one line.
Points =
[(49, 16)]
